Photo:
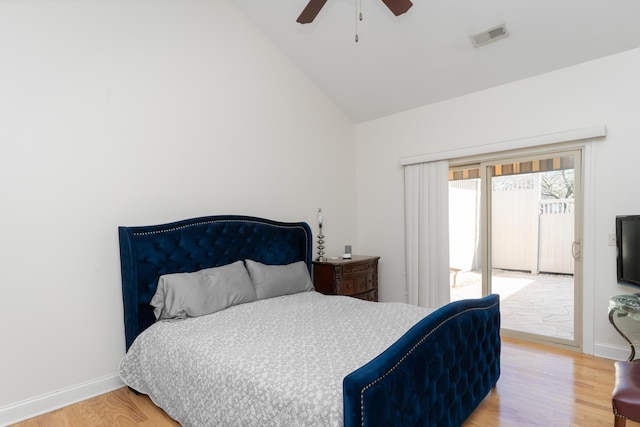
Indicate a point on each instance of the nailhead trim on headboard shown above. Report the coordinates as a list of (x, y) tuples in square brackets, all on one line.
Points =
[(147, 252)]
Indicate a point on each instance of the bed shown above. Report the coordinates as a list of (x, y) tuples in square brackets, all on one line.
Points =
[(293, 358)]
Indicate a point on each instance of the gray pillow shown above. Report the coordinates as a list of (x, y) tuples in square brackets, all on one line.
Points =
[(182, 295), (276, 280)]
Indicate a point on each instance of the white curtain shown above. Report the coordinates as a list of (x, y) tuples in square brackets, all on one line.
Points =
[(427, 233)]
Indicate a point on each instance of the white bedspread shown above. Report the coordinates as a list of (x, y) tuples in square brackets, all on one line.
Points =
[(273, 362)]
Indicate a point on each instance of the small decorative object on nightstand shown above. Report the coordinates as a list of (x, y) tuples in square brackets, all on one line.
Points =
[(356, 277)]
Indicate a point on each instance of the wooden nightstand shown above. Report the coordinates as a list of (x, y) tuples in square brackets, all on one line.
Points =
[(356, 277)]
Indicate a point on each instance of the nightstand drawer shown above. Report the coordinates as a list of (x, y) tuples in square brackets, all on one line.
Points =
[(358, 269), (357, 284), (356, 277)]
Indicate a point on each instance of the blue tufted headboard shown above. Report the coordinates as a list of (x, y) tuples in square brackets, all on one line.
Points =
[(148, 252)]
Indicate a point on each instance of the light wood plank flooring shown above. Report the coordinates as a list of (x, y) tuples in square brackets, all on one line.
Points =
[(539, 386)]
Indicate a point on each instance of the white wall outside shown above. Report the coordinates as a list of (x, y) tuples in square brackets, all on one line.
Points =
[(513, 219), (556, 239), (464, 226)]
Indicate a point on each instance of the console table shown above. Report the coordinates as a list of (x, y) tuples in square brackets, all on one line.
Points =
[(625, 306)]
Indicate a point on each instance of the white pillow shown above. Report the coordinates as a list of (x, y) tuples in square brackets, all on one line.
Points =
[(182, 295), (276, 280)]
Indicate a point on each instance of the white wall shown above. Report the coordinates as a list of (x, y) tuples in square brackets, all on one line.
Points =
[(132, 112), (125, 112), (602, 92)]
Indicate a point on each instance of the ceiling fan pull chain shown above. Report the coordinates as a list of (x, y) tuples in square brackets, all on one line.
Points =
[(358, 4), (356, 8)]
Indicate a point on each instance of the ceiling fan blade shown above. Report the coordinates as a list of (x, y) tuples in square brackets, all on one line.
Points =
[(311, 11), (398, 7)]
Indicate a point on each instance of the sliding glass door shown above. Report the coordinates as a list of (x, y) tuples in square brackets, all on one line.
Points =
[(515, 230)]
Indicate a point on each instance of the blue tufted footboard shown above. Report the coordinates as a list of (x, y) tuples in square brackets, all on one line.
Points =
[(434, 375)]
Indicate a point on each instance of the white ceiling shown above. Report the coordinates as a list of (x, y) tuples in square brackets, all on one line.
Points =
[(426, 55)]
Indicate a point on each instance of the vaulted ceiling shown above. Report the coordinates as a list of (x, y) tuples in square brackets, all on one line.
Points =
[(426, 55)]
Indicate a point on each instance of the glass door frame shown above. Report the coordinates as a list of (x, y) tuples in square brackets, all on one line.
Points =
[(486, 163)]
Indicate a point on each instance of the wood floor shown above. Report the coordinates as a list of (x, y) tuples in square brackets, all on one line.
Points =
[(539, 386)]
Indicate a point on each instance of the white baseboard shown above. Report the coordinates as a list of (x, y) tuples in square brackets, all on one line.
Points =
[(39, 405), (614, 352)]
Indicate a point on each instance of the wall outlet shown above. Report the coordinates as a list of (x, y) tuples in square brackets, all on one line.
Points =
[(612, 239)]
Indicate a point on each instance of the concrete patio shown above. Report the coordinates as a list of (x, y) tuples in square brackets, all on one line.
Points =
[(541, 304)]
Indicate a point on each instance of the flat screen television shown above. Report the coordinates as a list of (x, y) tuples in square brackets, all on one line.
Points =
[(628, 245)]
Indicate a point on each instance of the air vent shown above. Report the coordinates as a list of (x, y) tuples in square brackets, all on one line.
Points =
[(489, 35)]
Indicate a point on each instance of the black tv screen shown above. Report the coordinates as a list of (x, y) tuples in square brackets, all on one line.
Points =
[(628, 245)]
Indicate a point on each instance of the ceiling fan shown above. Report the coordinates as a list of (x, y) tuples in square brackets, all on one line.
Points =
[(398, 7)]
